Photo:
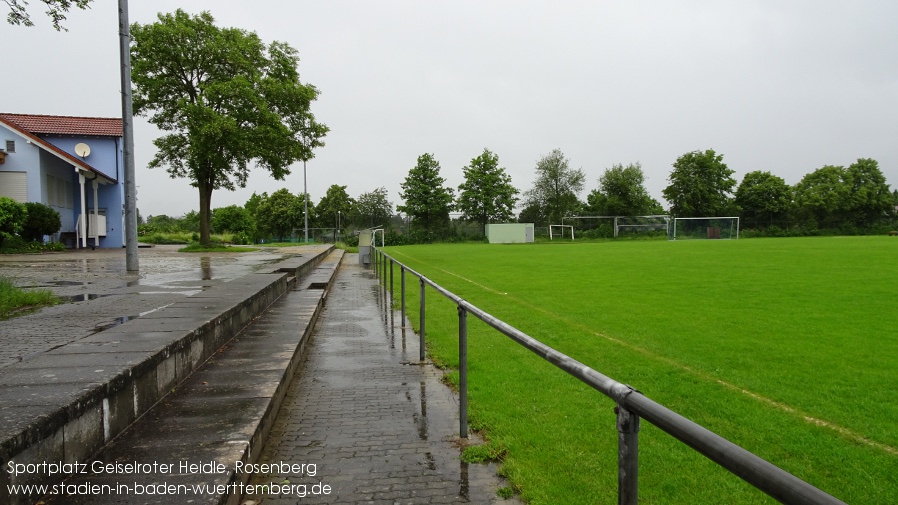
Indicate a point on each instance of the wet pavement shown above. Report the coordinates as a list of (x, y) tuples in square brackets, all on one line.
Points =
[(98, 293), (364, 421)]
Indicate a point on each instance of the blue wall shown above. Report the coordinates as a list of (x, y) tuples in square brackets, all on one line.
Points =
[(39, 165)]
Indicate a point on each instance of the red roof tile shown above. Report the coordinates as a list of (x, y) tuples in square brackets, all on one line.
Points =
[(66, 125)]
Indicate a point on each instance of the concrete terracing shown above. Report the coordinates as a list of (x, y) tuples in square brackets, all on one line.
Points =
[(169, 406), (81, 383)]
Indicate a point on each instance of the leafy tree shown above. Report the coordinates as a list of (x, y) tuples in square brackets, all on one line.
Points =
[(372, 209), (821, 196), (556, 187), (335, 202), (163, 223), (869, 199), (56, 9), (762, 197), (252, 204), (835, 196), (234, 219), (12, 217), (41, 220), (280, 213), (532, 214), (190, 221), (622, 192), (427, 201), (227, 99), (700, 185), (487, 194)]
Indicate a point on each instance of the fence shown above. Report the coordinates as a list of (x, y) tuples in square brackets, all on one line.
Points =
[(632, 406)]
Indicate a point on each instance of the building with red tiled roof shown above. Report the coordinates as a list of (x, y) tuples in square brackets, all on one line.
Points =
[(72, 164)]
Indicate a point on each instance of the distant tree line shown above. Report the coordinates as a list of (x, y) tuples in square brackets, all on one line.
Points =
[(829, 200)]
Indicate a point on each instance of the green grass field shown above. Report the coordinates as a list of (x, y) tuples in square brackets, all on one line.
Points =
[(787, 347)]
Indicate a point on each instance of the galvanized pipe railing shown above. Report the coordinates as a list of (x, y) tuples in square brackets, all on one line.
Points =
[(631, 407)]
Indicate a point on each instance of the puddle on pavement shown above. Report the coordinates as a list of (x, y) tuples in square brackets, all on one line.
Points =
[(464, 484), (123, 319), (83, 297)]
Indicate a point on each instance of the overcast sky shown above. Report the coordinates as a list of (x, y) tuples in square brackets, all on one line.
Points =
[(785, 87)]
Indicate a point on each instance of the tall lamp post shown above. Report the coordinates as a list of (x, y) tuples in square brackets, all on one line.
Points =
[(132, 261), (305, 197)]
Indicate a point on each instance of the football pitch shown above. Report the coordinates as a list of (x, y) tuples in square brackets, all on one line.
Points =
[(787, 347)]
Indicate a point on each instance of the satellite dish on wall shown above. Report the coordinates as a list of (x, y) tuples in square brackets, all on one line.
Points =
[(82, 149)]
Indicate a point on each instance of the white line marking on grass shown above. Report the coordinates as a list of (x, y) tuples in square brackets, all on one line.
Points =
[(841, 430)]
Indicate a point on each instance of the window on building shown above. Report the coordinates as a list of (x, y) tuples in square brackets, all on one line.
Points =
[(51, 191), (10, 146), (14, 185)]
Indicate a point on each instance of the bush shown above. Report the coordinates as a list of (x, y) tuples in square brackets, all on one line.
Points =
[(17, 245), (41, 220), (12, 217)]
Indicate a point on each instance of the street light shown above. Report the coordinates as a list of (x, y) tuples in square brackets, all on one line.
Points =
[(305, 197)]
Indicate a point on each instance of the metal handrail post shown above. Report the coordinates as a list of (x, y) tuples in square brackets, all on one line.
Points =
[(391, 282), (421, 317), (627, 456), (462, 372), (402, 295)]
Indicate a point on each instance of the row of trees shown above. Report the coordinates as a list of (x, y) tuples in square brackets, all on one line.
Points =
[(278, 215), (832, 197), (486, 196), (854, 198)]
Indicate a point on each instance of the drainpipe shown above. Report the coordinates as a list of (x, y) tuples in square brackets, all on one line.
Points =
[(96, 223), (82, 224)]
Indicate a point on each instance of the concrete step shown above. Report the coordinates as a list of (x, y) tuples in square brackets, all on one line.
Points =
[(194, 441), (64, 405)]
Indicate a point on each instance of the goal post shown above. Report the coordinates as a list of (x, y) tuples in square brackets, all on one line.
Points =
[(561, 232), (688, 228)]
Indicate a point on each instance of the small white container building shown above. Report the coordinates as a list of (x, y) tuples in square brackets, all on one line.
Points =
[(510, 233)]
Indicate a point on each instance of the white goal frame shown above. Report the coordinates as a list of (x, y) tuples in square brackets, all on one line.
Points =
[(673, 234), (562, 226)]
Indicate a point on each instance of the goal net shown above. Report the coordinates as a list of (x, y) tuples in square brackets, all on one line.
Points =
[(654, 225), (685, 228), (559, 230)]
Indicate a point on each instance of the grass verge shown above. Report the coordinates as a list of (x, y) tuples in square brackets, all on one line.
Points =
[(15, 301)]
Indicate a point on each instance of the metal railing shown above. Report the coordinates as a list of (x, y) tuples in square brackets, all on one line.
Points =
[(632, 406)]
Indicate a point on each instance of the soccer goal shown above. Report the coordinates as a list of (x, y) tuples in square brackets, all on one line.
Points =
[(641, 225), (684, 228), (560, 232)]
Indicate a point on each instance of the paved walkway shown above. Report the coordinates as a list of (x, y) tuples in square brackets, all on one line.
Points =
[(366, 418)]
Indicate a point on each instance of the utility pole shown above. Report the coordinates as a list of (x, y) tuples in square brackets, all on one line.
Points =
[(132, 262), (305, 197)]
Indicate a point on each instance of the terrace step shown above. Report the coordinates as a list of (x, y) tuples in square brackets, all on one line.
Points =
[(66, 404), (218, 416)]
